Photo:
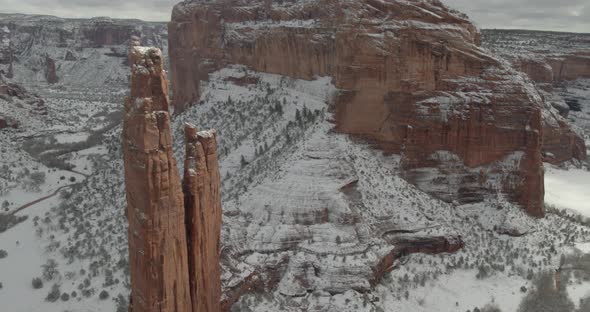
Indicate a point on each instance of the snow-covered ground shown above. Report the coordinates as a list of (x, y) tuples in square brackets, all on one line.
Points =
[(568, 189)]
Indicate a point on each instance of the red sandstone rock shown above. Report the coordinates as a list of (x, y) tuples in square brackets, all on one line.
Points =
[(174, 236), (412, 76), (203, 214), (155, 208)]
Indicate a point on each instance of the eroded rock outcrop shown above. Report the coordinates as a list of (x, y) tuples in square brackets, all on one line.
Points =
[(412, 78), (173, 243)]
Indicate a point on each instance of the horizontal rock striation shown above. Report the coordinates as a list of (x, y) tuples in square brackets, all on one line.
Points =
[(412, 78)]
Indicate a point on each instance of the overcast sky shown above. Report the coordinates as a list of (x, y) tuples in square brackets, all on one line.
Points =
[(558, 15)]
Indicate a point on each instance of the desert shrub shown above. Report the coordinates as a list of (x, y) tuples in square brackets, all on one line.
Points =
[(122, 303), (65, 297), (3, 254), (54, 294), (103, 295), (37, 283)]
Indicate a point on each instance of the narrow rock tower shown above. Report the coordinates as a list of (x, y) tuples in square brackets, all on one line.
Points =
[(203, 214), (174, 236), (155, 208)]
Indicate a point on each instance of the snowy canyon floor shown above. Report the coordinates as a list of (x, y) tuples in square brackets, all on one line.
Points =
[(315, 206)]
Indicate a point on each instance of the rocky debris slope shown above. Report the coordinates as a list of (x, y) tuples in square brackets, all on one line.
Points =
[(37, 50), (412, 80), (550, 60), (174, 236)]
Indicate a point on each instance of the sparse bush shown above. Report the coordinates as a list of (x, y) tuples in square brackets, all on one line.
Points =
[(37, 283), (122, 303), (103, 295), (54, 294), (3, 254)]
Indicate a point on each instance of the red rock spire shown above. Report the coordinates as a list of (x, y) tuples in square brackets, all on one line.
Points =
[(173, 245), (155, 208), (203, 214)]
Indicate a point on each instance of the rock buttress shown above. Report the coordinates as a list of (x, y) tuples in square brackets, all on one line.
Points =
[(157, 237), (203, 218)]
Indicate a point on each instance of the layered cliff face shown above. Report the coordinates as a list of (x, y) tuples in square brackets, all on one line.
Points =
[(174, 229), (411, 76)]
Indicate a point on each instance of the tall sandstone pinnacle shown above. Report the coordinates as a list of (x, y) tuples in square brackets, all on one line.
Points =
[(170, 259), (412, 79), (203, 214)]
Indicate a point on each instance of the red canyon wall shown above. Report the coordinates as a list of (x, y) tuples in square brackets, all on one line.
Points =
[(412, 76)]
